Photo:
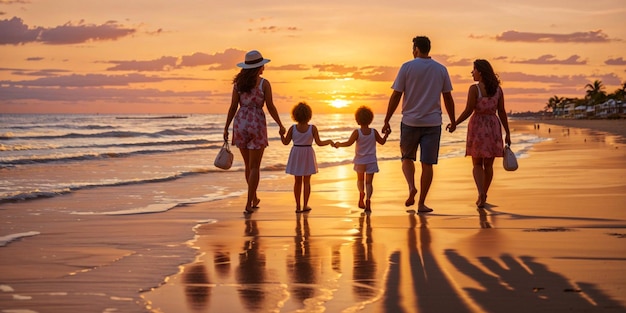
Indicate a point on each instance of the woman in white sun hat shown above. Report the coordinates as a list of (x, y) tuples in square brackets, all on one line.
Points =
[(250, 92)]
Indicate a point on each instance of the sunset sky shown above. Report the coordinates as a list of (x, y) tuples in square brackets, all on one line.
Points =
[(165, 56)]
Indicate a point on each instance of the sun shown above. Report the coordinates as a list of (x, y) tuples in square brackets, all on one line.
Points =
[(339, 103)]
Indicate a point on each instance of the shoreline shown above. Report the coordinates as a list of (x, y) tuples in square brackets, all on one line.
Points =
[(613, 126)]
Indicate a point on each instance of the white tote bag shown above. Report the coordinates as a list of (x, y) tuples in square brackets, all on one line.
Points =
[(224, 158), (509, 161)]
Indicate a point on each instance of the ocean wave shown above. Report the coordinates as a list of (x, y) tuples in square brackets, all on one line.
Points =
[(5, 240), (111, 145), (107, 134), (164, 207), (86, 156)]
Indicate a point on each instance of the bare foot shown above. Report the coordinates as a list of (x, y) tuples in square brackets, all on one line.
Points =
[(368, 206), (361, 197), (411, 200), (255, 203), (424, 209), (482, 199)]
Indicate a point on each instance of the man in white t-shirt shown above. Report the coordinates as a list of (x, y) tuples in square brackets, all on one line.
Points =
[(422, 81)]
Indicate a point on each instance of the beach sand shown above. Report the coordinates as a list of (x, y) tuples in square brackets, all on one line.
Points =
[(550, 240)]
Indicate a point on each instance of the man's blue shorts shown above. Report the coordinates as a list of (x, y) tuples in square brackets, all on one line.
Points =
[(426, 138)]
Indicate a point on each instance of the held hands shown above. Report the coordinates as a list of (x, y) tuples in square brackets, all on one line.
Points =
[(386, 129), (451, 127)]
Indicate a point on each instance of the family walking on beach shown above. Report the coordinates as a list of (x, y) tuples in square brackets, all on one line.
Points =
[(420, 84)]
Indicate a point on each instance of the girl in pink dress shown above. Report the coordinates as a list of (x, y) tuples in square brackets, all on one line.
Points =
[(250, 92), (484, 130), (365, 161), (302, 163)]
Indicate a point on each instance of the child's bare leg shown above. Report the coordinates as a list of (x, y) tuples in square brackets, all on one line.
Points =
[(297, 188), (307, 192), (369, 189), (361, 186)]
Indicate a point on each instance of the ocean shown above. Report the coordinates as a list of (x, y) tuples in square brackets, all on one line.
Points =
[(48, 155)]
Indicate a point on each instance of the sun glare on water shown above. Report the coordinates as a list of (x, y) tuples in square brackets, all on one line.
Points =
[(339, 103)]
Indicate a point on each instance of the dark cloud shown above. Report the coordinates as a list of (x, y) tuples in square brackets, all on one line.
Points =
[(14, 32), (40, 73), (579, 37), (163, 64), (617, 61), (551, 59), (34, 59), (90, 80), (560, 80)]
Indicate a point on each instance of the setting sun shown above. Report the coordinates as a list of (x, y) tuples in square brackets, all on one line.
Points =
[(339, 103)]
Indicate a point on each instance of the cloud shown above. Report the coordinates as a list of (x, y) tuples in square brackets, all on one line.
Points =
[(337, 71), (11, 93), (15, 32), (376, 73), (551, 59), (448, 60), (163, 64), (617, 61), (578, 37), (90, 80), (273, 29), (292, 67), (14, 1), (35, 59), (221, 61)]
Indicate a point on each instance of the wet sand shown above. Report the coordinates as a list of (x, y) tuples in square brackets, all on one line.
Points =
[(550, 240)]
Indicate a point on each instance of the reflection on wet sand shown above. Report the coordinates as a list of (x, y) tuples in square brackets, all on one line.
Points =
[(301, 269), (431, 286), (364, 274), (251, 270), (197, 287), (307, 266), (520, 284)]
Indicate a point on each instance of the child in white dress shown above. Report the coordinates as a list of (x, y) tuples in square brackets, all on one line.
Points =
[(365, 161), (302, 163)]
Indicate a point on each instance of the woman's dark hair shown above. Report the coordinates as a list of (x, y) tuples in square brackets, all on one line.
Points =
[(490, 78), (245, 80)]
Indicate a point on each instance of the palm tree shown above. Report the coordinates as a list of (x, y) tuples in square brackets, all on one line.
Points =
[(595, 92), (555, 103), (620, 93)]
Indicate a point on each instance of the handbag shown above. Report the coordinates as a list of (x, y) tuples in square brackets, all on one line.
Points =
[(509, 161), (224, 158)]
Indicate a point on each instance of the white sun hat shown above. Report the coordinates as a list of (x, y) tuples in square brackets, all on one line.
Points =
[(254, 59)]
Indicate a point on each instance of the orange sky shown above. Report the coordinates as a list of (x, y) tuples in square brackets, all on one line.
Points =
[(163, 56)]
